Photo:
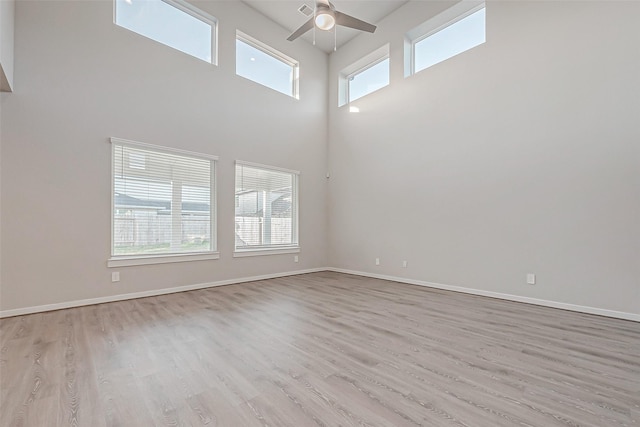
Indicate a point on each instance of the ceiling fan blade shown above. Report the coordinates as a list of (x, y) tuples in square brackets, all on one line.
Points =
[(300, 31), (351, 22)]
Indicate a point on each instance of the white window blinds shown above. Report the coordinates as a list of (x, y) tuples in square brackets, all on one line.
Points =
[(266, 207), (163, 200)]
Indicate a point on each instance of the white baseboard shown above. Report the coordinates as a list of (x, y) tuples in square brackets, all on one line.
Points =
[(151, 293), (546, 303), (156, 292)]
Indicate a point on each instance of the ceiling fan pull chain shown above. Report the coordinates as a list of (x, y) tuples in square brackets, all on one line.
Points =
[(335, 38), (314, 26)]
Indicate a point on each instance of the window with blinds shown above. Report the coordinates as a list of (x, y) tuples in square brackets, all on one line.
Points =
[(163, 201), (266, 208)]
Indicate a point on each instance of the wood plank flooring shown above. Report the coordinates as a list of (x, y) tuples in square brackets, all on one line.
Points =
[(321, 349)]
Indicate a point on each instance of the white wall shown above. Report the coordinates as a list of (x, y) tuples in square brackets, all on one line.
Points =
[(7, 8), (519, 156), (80, 79)]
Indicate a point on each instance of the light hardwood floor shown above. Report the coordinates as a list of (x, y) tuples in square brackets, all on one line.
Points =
[(322, 349)]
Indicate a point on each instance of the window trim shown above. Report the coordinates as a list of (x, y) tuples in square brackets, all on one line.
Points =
[(189, 9), (129, 260), (276, 54), (242, 253), (145, 259), (361, 65), (273, 249), (435, 24)]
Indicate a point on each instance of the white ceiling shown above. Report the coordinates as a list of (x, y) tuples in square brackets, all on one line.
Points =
[(285, 13)]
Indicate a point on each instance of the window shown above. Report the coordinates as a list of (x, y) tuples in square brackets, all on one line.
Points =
[(448, 34), (266, 209), (365, 76), (265, 65), (369, 80), (163, 204), (174, 23)]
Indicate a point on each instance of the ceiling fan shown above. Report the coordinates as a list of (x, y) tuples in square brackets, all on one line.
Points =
[(325, 17)]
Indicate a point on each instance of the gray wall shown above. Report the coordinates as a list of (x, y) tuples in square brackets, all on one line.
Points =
[(7, 14), (81, 79), (519, 156), (7, 8)]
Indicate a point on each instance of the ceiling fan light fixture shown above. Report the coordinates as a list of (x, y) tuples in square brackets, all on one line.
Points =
[(326, 17), (325, 21)]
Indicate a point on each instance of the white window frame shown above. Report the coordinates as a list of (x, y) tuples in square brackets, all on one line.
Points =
[(196, 13), (279, 249), (434, 25), (360, 66), (129, 260), (276, 54)]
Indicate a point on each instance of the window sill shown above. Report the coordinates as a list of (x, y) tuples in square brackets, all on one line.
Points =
[(239, 253), (125, 261)]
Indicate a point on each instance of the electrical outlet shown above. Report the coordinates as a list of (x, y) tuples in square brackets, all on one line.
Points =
[(531, 279), (404, 264), (377, 261), (295, 258), (115, 276)]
